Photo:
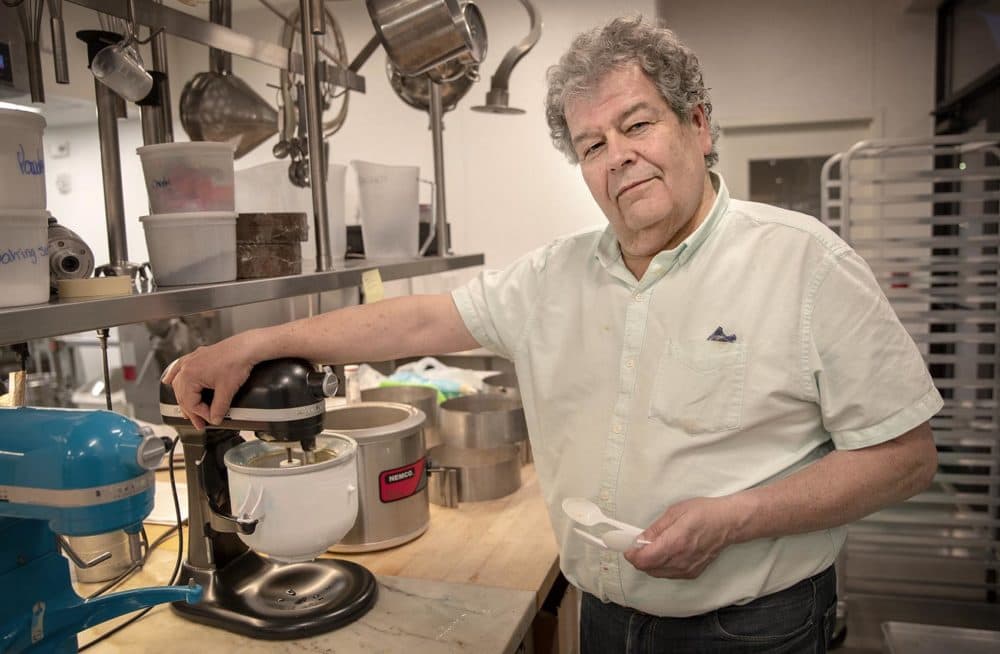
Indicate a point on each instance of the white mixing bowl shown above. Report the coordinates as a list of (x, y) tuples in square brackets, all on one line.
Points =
[(301, 510)]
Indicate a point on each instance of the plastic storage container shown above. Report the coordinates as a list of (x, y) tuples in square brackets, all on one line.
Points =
[(267, 189), (389, 197), (24, 257), (184, 177), (22, 160), (191, 248)]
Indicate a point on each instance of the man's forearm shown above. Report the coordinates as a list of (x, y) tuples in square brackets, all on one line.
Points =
[(841, 487), (393, 328)]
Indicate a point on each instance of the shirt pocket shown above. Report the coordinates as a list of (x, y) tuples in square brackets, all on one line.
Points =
[(699, 386)]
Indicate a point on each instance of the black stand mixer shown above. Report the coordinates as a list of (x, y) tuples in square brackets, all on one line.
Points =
[(281, 401)]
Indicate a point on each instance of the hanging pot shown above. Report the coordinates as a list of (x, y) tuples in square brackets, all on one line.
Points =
[(413, 90), (421, 34)]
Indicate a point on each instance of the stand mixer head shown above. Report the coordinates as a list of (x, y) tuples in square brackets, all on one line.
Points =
[(248, 546), (68, 473)]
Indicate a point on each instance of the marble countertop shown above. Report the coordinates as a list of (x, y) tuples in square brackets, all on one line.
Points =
[(415, 615)]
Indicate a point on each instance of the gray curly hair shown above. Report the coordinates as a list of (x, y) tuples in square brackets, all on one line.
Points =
[(671, 65)]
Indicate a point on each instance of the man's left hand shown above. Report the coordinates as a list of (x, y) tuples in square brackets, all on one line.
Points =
[(686, 538)]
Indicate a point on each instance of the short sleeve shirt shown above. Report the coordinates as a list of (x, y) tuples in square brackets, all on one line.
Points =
[(751, 349)]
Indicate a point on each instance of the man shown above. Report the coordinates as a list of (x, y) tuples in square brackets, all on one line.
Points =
[(726, 374)]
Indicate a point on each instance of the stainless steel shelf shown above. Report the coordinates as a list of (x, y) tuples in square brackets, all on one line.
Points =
[(18, 324), (195, 29)]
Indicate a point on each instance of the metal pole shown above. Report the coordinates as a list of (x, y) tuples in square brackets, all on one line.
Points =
[(152, 124), (159, 47), (111, 174), (437, 136), (314, 113)]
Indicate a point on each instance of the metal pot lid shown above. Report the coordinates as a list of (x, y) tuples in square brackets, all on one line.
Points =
[(274, 459), (368, 422)]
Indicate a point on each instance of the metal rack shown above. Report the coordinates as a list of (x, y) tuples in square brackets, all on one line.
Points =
[(195, 29), (924, 213), (60, 317), (18, 324)]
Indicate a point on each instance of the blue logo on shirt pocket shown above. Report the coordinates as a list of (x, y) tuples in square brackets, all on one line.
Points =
[(699, 386)]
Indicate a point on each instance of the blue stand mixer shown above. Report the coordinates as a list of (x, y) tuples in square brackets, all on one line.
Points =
[(69, 473)]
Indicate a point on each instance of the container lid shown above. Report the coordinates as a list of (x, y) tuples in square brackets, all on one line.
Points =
[(22, 117), (191, 216), (368, 422), (173, 149), (274, 459)]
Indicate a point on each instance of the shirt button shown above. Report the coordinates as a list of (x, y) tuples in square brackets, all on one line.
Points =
[(638, 297), (618, 429), (605, 494), (630, 363)]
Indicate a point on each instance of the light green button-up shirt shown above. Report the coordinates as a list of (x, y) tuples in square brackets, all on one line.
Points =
[(751, 349)]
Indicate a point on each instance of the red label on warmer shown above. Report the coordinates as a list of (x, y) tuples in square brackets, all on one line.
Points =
[(400, 483)]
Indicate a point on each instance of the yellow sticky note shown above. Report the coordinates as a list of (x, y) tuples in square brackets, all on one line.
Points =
[(371, 284)]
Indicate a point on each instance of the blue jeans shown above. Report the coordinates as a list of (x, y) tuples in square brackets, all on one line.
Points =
[(797, 620)]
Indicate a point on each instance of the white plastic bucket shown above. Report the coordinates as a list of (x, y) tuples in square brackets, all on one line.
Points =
[(389, 198), (191, 248), (182, 177), (24, 257), (22, 160), (266, 188)]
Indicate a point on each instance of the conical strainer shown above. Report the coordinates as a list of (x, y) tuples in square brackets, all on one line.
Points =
[(221, 107)]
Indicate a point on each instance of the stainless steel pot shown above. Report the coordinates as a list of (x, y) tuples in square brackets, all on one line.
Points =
[(473, 475), (392, 473), (424, 398), (482, 421), (505, 384), (420, 34)]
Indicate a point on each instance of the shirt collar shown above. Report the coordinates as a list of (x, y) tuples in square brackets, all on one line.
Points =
[(610, 255)]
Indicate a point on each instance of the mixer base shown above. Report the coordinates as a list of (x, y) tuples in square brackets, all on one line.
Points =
[(260, 598)]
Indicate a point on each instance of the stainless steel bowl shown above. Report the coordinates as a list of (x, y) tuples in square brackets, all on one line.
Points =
[(482, 421)]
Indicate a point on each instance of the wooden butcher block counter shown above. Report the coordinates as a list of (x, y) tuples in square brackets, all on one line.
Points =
[(505, 543)]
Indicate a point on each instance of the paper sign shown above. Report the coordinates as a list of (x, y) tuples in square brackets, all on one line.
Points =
[(371, 284)]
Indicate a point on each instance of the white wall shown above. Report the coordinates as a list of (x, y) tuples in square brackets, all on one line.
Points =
[(864, 67), (808, 77)]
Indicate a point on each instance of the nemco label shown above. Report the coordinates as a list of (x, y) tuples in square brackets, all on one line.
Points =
[(400, 483)]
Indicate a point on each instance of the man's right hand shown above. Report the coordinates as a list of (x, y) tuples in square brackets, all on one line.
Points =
[(222, 367)]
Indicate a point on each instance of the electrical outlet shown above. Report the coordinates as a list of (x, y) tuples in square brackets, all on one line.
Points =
[(64, 183)]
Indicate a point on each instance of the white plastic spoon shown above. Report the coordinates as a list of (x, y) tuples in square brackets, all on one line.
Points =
[(617, 540), (585, 512)]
